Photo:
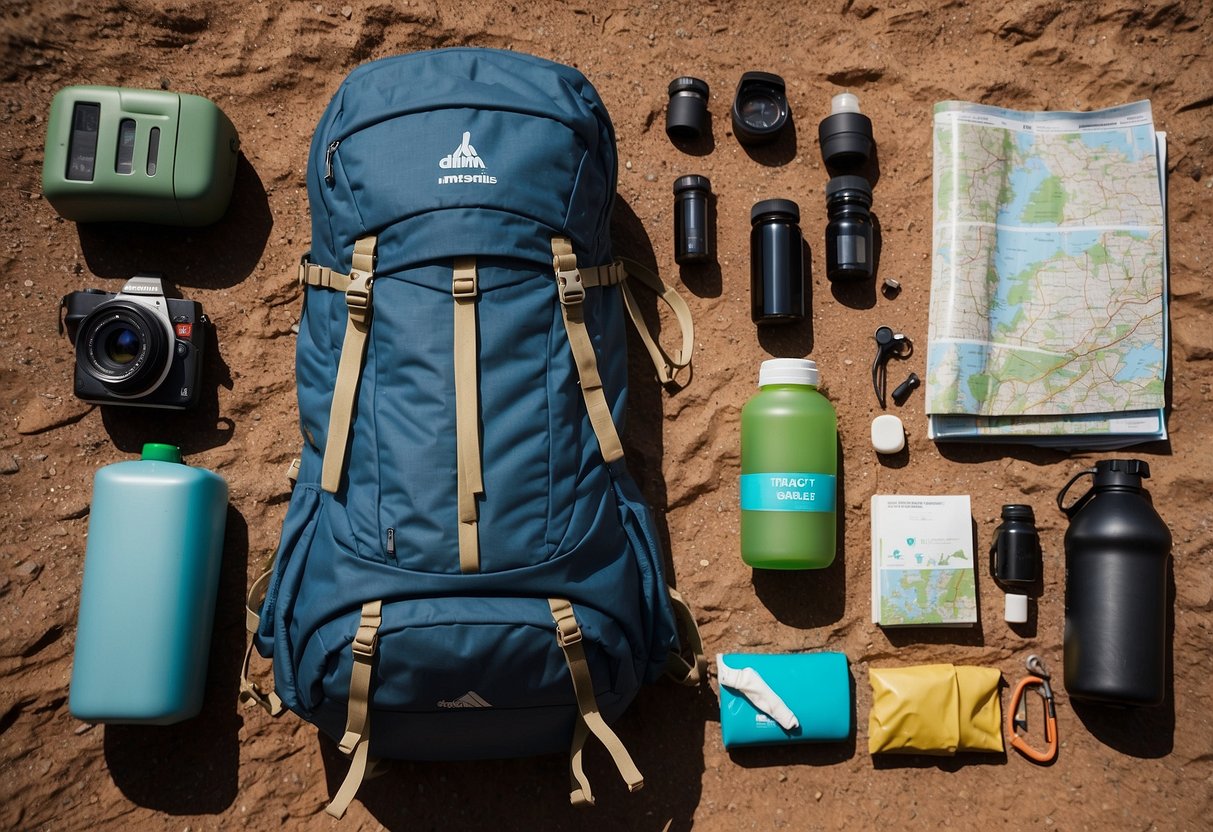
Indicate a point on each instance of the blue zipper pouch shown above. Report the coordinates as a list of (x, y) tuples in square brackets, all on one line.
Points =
[(814, 687)]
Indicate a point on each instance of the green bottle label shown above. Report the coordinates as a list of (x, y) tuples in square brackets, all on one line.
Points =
[(778, 491)]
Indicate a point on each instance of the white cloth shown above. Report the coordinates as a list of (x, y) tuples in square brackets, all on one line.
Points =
[(749, 684)]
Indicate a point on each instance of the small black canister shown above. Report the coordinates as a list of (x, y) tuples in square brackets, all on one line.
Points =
[(777, 267), (849, 250), (692, 237), (686, 118), (1016, 547)]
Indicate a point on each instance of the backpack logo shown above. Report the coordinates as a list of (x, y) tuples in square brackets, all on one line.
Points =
[(471, 699), (463, 157)]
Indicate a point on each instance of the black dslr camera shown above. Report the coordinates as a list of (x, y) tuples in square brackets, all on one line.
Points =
[(136, 347)]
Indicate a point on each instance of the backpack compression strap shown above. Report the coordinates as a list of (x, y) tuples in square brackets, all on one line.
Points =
[(572, 309), (250, 691), (357, 288), (357, 738), (464, 289), (568, 636), (616, 274)]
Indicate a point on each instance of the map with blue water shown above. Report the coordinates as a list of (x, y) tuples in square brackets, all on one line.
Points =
[(1049, 276)]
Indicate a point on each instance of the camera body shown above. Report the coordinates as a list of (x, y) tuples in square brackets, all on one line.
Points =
[(136, 347)]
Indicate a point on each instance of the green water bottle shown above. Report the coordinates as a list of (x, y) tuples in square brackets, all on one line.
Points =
[(789, 464)]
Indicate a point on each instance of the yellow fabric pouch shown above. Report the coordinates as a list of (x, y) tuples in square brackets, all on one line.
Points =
[(934, 709)]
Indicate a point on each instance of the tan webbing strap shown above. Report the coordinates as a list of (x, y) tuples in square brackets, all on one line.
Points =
[(568, 636), (292, 470), (356, 740), (363, 647), (680, 670), (579, 791), (611, 274), (312, 275), (353, 781), (572, 293), (349, 370), (250, 691), (465, 288), (667, 367)]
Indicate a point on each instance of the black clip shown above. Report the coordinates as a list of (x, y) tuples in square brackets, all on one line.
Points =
[(889, 344)]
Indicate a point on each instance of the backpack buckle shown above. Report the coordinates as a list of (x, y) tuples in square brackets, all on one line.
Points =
[(358, 297), (573, 290), (568, 632), (367, 636), (568, 281), (464, 288)]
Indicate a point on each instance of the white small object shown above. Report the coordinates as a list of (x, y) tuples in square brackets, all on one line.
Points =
[(748, 683), (844, 102), (1015, 609), (888, 435)]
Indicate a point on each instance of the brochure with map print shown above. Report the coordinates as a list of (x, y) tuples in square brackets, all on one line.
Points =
[(922, 561), (1048, 317)]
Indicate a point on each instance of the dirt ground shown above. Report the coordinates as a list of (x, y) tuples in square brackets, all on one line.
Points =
[(272, 68)]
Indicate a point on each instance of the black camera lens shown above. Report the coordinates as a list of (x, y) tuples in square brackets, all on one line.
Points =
[(686, 118), (760, 108), (124, 346)]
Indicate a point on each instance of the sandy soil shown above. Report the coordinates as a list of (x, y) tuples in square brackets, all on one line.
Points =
[(272, 67)]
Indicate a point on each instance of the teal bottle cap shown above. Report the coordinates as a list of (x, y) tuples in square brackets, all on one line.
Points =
[(161, 452)]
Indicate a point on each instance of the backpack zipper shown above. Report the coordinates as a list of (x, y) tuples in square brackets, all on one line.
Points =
[(329, 179), (391, 542)]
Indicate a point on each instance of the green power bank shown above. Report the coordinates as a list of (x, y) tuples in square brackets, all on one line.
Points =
[(117, 154)]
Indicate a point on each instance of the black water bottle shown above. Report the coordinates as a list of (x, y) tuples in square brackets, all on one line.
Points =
[(1117, 556), (777, 267)]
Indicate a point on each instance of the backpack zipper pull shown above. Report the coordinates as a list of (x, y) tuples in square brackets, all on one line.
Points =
[(391, 542), (329, 179)]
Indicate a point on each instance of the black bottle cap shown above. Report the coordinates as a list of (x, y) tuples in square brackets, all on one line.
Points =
[(1018, 511), (760, 107), (846, 140), (686, 118), (1121, 472), (857, 184), (692, 182), (775, 208)]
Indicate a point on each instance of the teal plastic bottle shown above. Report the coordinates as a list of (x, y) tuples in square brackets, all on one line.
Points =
[(147, 602), (789, 466)]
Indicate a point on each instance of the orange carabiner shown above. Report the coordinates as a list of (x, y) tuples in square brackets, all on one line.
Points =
[(1017, 713)]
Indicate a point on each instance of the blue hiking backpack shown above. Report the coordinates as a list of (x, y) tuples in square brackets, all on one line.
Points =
[(466, 569)]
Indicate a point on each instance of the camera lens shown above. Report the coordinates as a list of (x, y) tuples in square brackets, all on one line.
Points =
[(124, 346), (760, 107), (686, 118), (762, 111)]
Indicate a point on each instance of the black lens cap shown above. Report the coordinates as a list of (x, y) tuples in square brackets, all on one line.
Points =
[(775, 208), (760, 107), (686, 118), (692, 182)]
